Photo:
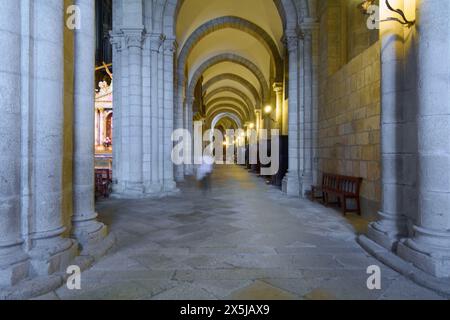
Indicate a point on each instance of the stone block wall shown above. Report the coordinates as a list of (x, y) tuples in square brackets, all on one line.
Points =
[(349, 124)]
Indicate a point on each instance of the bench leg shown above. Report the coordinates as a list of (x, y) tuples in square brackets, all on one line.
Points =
[(358, 206), (344, 205)]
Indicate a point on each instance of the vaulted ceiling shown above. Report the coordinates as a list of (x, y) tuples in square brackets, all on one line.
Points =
[(235, 49)]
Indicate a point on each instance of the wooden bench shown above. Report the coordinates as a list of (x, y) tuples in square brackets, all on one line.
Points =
[(342, 187)]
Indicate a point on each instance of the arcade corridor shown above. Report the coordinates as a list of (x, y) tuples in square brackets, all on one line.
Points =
[(245, 240)]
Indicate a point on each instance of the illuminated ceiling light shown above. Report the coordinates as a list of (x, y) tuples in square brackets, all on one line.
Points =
[(251, 125), (366, 8), (268, 109)]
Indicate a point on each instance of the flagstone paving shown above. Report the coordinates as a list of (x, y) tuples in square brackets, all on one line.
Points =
[(244, 240)]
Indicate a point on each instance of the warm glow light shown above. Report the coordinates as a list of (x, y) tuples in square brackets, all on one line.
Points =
[(268, 109), (251, 125)]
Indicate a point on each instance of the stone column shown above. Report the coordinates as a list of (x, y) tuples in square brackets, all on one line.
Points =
[(189, 118), (291, 183), (396, 161), (168, 114), (86, 229), (117, 42), (307, 111), (155, 45), (13, 261), (429, 246), (278, 89), (50, 251), (134, 187)]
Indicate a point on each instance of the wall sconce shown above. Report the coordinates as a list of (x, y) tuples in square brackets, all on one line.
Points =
[(268, 111), (365, 8)]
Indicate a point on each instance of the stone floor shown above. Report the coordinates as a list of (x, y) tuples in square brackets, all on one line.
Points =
[(244, 240)]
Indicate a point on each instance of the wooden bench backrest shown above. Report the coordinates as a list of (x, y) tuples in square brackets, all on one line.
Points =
[(342, 183)]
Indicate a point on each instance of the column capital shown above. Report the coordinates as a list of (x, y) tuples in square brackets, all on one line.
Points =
[(116, 40), (170, 45), (156, 42), (290, 39), (134, 37), (277, 87)]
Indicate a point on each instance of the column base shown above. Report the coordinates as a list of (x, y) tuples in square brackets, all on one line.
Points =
[(291, 185), (153, 188), (306, 183), (430, 258), (404, 267), (129, 191), (14, 267), (170, 187), (387, 231), (89, 231), (50, 256)]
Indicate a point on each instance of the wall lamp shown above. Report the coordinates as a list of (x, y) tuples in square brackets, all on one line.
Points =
[(366, 8), (268, 111)]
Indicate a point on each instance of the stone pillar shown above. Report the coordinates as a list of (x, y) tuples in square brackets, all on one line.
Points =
[(168, 114), (134, 186), (307, 114), (155, 45), (13, 261), (278, 89), (429, 246), (117, 43), (396, 161), (86, 229), (189, 118), (291, 183), (50, 251)]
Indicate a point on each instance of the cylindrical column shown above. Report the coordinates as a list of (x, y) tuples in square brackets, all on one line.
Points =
[(397, 162), (135, 187), (86, 229), (117, 83), (168, 123), (307, 113), (11, 253), (278, 89), (291, 184), (189, 119), (429, 248), (155, 44), (47, 140)]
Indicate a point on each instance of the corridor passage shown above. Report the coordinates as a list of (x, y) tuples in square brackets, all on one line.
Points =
[(244, 240)]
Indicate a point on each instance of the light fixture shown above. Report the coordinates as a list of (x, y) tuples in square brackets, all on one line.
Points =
[(366, 8), (268, 112), (251, 125)]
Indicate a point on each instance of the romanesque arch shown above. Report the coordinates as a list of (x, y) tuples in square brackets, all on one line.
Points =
[(232, 58)]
